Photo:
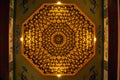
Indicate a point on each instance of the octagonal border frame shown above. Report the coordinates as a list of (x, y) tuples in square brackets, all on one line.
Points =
[(32, 64)]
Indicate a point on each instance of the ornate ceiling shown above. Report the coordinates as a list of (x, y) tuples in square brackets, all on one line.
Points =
[(58, 39)]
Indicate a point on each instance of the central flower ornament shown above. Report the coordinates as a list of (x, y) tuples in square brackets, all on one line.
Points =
[(58, 39)]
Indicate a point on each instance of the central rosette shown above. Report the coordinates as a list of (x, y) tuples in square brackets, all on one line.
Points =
[(58, 39)]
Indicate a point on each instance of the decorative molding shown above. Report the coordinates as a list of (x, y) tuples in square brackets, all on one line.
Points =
[(58, 39)]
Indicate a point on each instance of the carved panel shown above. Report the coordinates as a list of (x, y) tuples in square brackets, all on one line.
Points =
[(58, 39)]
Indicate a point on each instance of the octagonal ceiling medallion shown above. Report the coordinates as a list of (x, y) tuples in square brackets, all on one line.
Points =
[(58, 39)]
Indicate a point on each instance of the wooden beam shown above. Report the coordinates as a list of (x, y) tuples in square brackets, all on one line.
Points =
[(113, 39), (4, 26)]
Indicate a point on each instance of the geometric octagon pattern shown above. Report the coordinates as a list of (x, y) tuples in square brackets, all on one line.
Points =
[(58, 39)]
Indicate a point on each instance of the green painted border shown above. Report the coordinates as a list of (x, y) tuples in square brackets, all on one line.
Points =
[(14, 63)]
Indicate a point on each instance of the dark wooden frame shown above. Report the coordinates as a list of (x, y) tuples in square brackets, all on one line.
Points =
[(118, 71), (4, 47), (113, 39)]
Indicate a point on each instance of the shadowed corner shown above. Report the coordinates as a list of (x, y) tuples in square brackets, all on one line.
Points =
[(1, 78)]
